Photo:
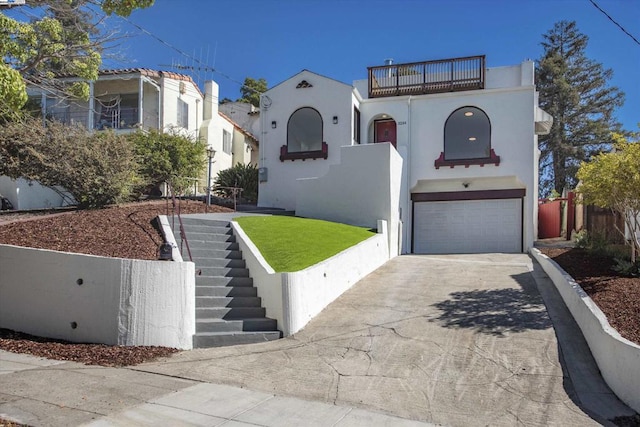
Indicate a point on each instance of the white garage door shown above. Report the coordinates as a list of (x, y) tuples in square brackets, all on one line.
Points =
[(467, 226)]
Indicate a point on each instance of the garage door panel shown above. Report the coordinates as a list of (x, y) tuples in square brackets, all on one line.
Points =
[(468, 226)]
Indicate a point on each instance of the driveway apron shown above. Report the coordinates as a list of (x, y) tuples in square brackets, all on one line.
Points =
[(458, 340)]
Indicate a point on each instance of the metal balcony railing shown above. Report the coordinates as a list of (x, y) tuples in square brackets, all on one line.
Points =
[(420, 78)]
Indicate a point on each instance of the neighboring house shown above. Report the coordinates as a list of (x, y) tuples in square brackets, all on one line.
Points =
[(465, 140), (244, 114), (231, 143), (126, 100), (130, 99)]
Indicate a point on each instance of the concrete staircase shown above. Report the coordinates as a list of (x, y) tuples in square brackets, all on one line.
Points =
[(228, 310)]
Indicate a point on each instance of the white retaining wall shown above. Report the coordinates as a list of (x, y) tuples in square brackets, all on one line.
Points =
[(293, 299), (617, 357), (109, 300)]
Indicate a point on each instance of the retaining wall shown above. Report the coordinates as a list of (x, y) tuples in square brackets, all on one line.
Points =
[(85, 298), (293, 299), (617, 357)]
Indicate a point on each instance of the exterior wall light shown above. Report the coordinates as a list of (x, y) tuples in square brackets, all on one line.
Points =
[(274, 124), (335, 120)]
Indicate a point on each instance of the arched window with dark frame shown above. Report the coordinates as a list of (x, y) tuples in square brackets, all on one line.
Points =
[(467, 135), (304, 131)]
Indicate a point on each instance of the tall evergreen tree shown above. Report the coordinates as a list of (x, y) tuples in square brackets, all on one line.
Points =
[(251, 90), (574, 90)]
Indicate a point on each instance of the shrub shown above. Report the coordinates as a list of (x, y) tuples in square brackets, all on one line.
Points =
[(96, 169), (582, 239), (626, 267), (167, 157), (242, 176)]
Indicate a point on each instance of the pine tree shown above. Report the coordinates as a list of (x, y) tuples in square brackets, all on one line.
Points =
[(574, 90)]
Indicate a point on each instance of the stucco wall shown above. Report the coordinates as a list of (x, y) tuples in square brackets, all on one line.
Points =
[(109, 300), (617, 357), (170, 95), (509, 101), (363, 188), (330, 98), (293, 299)]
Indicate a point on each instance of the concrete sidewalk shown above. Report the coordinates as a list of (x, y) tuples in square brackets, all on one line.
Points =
[(42, 392), (450, 340)]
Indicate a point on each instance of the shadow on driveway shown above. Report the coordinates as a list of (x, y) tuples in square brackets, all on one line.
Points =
[(496, 311)]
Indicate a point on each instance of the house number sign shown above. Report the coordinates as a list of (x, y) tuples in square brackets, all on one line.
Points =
[(402, 123)]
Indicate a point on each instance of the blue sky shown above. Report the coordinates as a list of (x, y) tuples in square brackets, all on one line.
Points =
[(275, 39)]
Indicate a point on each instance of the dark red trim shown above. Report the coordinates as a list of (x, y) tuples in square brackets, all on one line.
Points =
[(514, 193), (492, 159), (303, 155)]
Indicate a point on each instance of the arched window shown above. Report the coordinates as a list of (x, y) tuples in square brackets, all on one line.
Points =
[(304, 131), (467, 135)]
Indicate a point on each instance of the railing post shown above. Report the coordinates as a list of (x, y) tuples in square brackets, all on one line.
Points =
[(451, 80), (397, 80)]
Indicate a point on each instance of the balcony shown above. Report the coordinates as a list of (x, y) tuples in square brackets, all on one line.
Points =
[(421, 78)]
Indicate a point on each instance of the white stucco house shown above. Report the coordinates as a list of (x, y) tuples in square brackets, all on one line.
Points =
[(446, 151), (126, 100)]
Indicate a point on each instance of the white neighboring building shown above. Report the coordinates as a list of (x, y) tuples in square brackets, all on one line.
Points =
[(130, 99), (466, 135)]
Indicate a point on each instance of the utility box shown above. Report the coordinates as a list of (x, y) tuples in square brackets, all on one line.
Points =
[(262, 174)]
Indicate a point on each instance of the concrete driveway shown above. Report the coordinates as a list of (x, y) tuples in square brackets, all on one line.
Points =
[(454, 340)]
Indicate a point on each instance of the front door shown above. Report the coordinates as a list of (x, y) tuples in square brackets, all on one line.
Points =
[(385, 131)]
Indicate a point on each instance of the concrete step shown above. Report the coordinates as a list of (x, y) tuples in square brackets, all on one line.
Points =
[(226, 291), (217, 302), (219, 262), (223, 272), (218, 246), (214, 253), (214, 229), (221, 339), (249, 324), (200, 221), (223, 281), (208, 237), (232, 313)]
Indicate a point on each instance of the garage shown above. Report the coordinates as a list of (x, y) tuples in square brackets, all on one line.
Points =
[(473, 225)]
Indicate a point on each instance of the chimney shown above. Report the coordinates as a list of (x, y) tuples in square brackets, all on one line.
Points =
[(210, 108), (388, 61)]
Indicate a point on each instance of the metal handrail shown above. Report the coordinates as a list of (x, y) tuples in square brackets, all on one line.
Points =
[(183, 235)]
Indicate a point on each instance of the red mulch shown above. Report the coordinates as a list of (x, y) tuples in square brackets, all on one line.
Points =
[(617, 296), (89, 354), (123, 231)]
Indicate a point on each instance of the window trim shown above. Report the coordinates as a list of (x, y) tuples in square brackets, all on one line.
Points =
[(356, 125), (227, 140), (182, 117), (323, 152), (493, 158)]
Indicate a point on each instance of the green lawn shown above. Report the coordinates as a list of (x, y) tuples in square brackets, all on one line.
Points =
[(292, 244)]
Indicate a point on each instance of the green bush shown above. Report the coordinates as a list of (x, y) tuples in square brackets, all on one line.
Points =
[(167, 157), (582, 239), (626, 267), (97, 169), (242, 176)]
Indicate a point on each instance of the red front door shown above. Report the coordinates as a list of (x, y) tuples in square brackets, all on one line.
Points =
[(385, 131)]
